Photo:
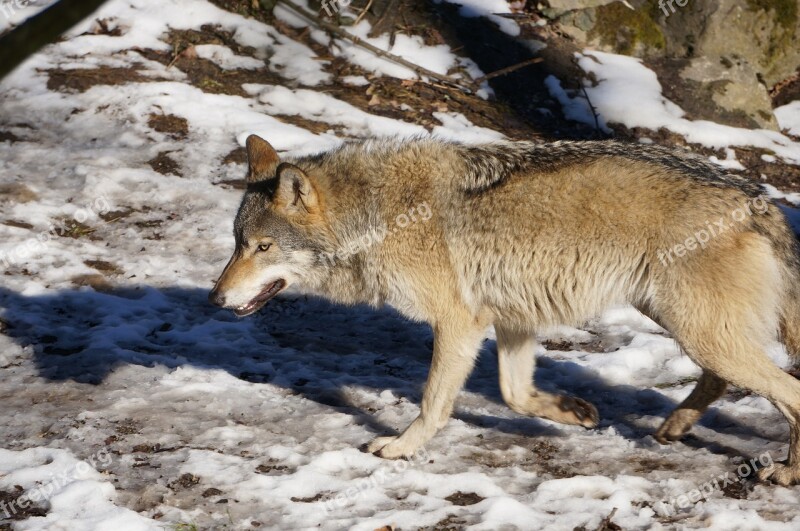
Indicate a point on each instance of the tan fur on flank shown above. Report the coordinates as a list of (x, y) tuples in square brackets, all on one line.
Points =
[(523, 236)]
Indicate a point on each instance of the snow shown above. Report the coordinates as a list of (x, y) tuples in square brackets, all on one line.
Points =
[(489, 9), (225, 58), (111, 396), (321, 107), (788, 117), (439, 58), (78, 495), (144, 23), (622, 80), (729, 162)]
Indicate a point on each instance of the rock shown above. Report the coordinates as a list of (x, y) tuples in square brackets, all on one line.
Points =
[(629, 28), (730, 53), (559, 7), (764, 33), (734, 88)]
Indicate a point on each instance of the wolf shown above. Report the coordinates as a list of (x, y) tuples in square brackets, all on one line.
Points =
[(523, 236)]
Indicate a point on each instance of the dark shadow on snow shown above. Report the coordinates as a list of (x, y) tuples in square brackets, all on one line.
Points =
[(303, 344)]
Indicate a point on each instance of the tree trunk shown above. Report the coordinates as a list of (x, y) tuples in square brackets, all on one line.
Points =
[(40, 30)]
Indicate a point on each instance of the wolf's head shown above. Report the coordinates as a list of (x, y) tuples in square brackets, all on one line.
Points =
[(278, 230)]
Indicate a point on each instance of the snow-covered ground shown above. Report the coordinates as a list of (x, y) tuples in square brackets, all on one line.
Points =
[(130, 403)]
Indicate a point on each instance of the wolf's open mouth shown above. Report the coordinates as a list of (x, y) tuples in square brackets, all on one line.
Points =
[(261, 299)]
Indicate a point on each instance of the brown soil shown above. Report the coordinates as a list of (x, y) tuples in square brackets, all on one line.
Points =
[(81, 80), (72, 228), (97, 282), (17, 193), (186, 481), (464, 498), (10, 501), (165, 165), (786, 177), (8, 136), (104, 267), (786, 91), (175, 126)]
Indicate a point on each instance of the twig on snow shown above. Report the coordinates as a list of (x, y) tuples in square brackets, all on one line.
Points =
[(358, 41)]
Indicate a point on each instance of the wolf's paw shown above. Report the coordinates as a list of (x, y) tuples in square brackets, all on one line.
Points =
[(676, 426), (391, 448), (781, 474), (377, 444), (579, 411), (559, 408)]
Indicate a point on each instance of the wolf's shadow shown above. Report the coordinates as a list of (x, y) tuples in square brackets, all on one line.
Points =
[(304, 344)]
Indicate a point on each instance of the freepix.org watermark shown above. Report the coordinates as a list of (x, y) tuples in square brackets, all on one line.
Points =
[(419, 213), (42, 493), (333, 6), (664, 5), (23, 251), (721, 482), (9, 8), (376, 479), (701, 237)]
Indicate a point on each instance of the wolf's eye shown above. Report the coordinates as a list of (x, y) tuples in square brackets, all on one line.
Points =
[(264, 247)]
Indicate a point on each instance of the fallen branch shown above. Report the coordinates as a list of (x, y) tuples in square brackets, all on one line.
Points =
[(508, 70), (358, 41)]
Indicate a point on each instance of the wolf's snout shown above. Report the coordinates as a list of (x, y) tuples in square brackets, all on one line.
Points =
[(216, 298)]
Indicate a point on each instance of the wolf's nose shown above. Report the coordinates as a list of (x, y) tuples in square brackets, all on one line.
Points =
[(216, 298)]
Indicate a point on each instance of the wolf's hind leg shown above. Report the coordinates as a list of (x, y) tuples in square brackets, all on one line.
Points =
[(748, 367), (722, 307), (515, 356), (709, 388)]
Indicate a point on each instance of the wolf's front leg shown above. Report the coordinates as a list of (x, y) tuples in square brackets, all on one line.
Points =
[(455, 348)]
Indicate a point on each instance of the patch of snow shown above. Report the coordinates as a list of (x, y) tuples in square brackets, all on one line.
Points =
[(76, 494), (412, 48), (145, 23), (438, 58), (774, 193), (788, 117), (622, 80), (729, 162), (489, 9), (456, 126), (321, 107), (574, 108), (225, 58), (356, 81)]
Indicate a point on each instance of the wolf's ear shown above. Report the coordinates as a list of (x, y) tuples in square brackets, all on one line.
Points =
[(295, 191), (262, 159)]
